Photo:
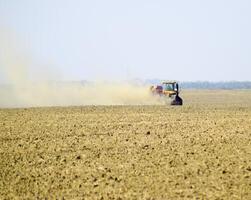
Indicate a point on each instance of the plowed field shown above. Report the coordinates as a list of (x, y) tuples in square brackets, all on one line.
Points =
[(200, 150)]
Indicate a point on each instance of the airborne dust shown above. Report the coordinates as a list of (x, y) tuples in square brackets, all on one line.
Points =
[(21, 89), (74, 94)]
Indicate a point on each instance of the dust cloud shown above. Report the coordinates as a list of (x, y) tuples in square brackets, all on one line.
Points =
[(74, 94), (21, 90)]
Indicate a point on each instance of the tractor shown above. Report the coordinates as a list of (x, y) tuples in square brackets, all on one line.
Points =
[(168, 89)]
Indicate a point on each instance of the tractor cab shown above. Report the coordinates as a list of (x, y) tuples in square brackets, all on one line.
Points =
[(170, 88)]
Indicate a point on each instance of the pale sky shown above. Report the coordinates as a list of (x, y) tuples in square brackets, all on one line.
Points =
[(114, 39)]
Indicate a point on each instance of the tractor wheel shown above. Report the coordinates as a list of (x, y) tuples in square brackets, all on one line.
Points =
[(177, 101)]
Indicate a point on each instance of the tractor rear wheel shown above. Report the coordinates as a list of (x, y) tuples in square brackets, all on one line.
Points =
[(177, 101)]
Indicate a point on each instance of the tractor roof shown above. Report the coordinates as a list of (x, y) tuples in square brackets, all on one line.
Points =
[(168, 82)]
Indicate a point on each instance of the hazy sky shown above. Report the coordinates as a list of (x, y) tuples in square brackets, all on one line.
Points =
[(115, 39)]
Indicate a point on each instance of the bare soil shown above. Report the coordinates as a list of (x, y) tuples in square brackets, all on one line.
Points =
[(200, 150)]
